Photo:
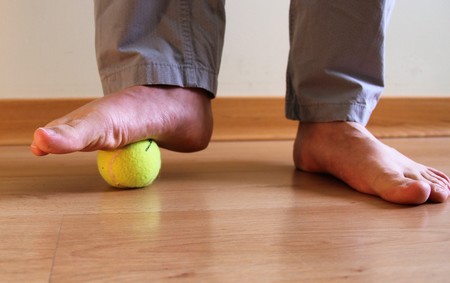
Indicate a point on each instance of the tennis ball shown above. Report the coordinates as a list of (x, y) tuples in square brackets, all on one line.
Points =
[(133, 166)]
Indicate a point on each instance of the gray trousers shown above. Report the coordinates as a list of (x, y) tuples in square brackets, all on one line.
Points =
[(335, 63)]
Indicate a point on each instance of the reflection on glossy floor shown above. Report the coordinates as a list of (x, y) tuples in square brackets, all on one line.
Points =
[(237, 212)]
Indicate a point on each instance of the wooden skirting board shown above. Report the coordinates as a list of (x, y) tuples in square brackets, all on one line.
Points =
[(239, 118)]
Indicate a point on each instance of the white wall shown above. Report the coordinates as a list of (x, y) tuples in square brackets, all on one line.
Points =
[(418, 49), (47, 49)]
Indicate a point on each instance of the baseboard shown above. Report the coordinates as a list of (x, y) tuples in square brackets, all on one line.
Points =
[(244, 118)]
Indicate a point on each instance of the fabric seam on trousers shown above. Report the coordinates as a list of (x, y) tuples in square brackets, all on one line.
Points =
[(187, 43), (106, 74)]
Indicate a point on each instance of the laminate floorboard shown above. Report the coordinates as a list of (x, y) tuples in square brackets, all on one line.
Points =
[(236, 212)]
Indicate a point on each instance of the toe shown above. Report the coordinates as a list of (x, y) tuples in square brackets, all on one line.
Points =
[(36, 150), (438, 193), (434, 178), (439, 184), (409, 192), (444, 177), (56, 140), (39, 145)]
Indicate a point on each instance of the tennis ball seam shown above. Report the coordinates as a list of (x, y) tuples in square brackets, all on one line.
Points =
[(149, 145), (110, 166)]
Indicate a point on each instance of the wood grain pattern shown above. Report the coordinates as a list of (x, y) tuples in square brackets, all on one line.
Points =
[(244, 118), (412, 117), (19, 118), (236, 212)]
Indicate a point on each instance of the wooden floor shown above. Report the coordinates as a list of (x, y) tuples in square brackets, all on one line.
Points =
[(237, 212)]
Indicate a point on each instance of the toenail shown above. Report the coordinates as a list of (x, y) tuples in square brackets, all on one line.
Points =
[(49, 131)]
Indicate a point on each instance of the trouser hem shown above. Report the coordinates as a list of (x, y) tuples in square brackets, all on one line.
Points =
[(320, 113), (160, 74)]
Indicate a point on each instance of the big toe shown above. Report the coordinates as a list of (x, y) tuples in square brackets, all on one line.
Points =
[(57, 139), (411, 192)]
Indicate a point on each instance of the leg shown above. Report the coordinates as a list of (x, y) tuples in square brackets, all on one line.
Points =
[(335, 77), (158, 62)]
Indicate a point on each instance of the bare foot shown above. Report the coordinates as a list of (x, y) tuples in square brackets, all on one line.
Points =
[(351, 153), (178, 119)]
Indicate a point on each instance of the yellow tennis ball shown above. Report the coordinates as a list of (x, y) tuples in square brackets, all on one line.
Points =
[(133, 166)]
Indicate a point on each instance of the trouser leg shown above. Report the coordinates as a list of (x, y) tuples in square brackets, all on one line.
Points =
[(335, 67), (159, 42)]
